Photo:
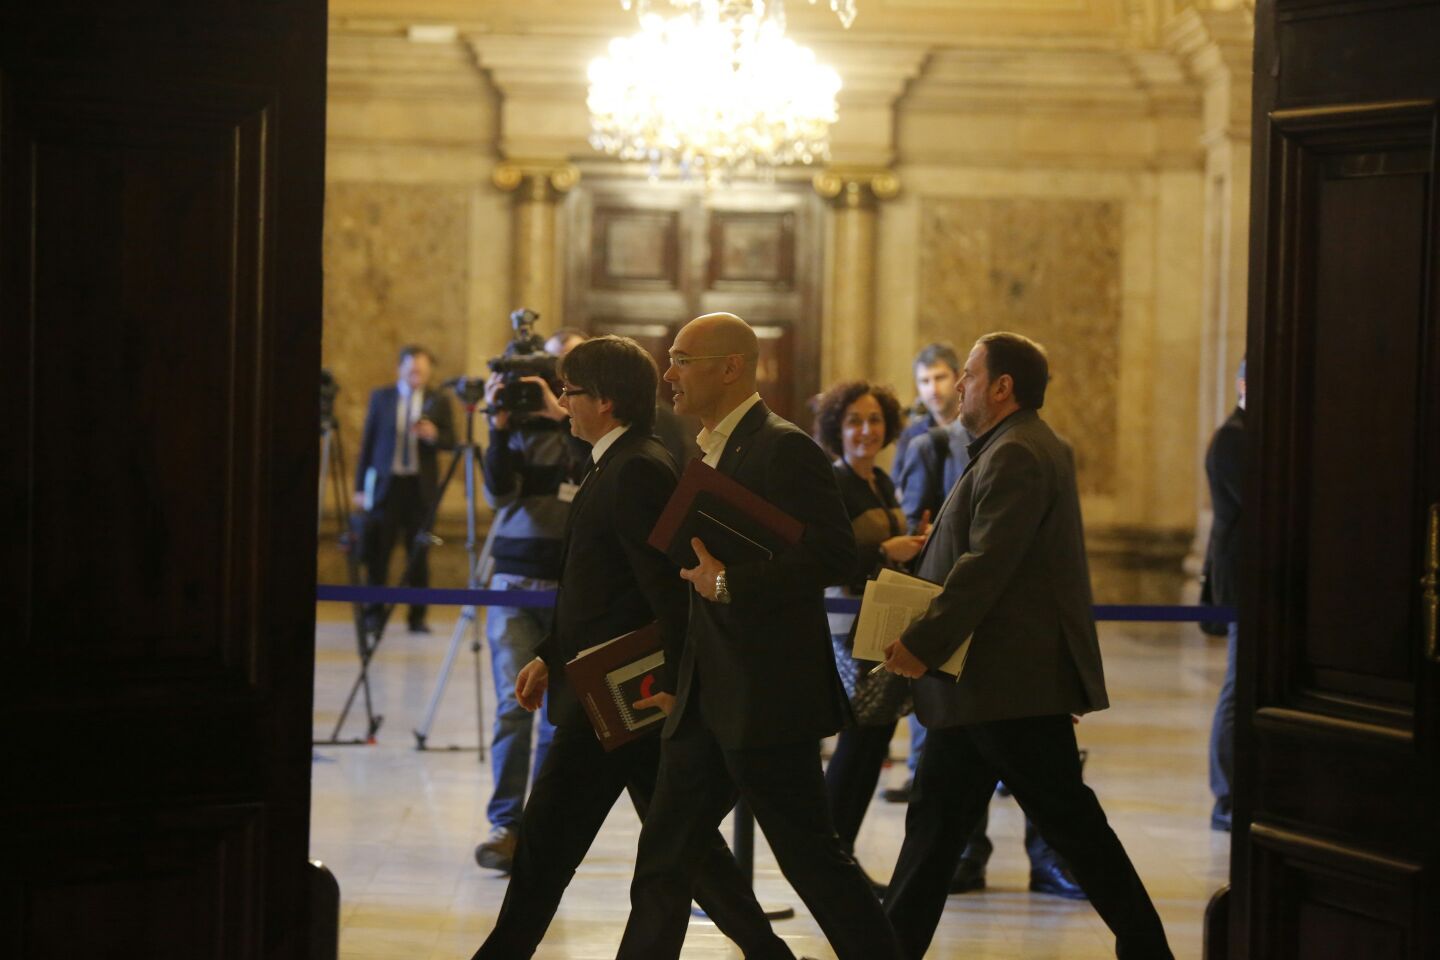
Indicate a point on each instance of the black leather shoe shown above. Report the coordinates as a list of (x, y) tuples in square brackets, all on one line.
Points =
[(969, 876), (900, 794), (1055, 880), (419, 628)]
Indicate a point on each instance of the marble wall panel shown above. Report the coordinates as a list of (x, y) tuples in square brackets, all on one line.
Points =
[(1050, 269), (396, 272)]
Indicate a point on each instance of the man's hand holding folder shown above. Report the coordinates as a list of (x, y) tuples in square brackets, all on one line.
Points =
[(892, 602)]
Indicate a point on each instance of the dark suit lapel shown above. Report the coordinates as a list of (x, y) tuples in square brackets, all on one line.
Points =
[(738, 444)]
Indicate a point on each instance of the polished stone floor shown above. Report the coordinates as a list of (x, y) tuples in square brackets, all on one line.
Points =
[(398, 826)]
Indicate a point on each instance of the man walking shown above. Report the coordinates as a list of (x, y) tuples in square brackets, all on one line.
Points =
[(611, 582), (757, 685), (1009, 548)]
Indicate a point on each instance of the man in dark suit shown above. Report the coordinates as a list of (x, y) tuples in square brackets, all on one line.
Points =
[(1225, 469), (612, 582), (757, 685), (1009, 548), (396, 476)]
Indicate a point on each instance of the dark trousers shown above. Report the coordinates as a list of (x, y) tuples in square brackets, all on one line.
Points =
[(399, 516), (782, 784), (1037, 759), (850, 781), (577, 785), (852, 775), (1222, 738)]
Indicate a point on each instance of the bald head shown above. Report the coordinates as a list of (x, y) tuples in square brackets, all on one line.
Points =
[(712, 366), (720, 333)]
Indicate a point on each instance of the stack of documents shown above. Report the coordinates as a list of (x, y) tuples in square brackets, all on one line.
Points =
[(892, 602)]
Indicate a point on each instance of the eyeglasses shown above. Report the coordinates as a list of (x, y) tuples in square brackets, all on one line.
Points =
[(683, 362), (573, 391)]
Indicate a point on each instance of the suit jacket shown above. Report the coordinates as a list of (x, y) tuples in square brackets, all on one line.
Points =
[(377, 443), (1009, 548), (1225, 468), (762, 664), (936, 460), (611, 580)]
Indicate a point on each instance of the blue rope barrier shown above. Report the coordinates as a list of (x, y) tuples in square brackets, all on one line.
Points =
[(1132, 613)]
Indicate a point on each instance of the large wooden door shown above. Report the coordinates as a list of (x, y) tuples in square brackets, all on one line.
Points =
[(645, 258), (1337, 831), (161, 183)]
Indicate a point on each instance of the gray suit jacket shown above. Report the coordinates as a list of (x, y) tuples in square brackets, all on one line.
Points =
[(1009, 548)]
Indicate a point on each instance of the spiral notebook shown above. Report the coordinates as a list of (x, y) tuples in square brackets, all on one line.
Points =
[(609, 677)]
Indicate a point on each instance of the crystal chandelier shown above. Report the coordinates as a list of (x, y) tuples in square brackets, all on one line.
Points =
[(715, 91)]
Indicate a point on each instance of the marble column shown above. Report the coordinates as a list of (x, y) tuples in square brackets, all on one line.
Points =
[(538, 186), (847, 330), (1216, 47)]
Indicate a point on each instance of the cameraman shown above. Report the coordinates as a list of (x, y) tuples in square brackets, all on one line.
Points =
[(532, 468)]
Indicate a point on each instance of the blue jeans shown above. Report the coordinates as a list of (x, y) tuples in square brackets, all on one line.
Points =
[(514, 634), (1222, 735), (917, 743)]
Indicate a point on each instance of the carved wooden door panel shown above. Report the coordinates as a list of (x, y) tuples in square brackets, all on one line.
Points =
[(1337, 829), (646, 258), (161, 184)]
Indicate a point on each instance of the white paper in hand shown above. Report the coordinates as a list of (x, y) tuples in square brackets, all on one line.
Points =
[(891, 603)]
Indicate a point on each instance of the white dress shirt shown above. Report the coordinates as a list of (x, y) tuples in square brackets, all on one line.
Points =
[(408, 401), (713, 441)]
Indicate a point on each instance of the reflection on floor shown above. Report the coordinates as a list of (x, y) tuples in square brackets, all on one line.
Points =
[(398, 826)]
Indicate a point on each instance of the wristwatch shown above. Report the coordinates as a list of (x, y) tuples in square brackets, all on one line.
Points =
[(722, 589)]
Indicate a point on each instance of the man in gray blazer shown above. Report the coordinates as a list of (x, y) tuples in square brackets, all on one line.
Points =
[(1009, 547)]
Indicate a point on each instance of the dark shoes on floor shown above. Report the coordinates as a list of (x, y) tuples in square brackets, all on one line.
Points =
[(419, 628), (498, 853), (969, 876), (900, 794), (1055, 880)]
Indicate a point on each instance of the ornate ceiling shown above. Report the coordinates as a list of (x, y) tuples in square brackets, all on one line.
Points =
[(1078, 24)]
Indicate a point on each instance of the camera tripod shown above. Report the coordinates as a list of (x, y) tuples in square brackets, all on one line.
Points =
[(424, 538), (333, 473)]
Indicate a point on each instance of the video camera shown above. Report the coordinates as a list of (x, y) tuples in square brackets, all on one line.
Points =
[(524, 356)]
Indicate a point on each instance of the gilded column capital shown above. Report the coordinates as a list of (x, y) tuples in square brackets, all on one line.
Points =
[(539, 180), (855, 187)]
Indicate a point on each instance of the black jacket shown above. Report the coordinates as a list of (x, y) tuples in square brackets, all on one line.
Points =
[(1225, 468), (377, 443), (763, 662), (611, 580)]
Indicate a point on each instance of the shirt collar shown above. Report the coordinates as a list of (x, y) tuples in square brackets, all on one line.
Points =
[(606, 442), (708, 439), (404, 388)]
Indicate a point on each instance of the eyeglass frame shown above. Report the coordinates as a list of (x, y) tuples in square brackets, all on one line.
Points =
[(683, 362), (566, 391)]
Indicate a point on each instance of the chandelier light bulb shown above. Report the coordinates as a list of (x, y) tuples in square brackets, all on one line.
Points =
[(718, 91)]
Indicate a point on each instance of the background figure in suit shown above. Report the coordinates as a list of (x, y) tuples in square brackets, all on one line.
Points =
[(1009, 547), (1225, 468), (611, 582), (757, 684), (396, 476)]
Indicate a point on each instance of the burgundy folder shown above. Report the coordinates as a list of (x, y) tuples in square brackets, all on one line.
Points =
[(735, 524)]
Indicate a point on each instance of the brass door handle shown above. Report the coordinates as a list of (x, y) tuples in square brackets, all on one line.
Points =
[(1429, 599)]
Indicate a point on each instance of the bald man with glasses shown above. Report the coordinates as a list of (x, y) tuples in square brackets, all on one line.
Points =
[(757, 687)]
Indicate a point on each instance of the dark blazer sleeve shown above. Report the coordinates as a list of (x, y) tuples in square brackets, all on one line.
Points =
[(644, 487), (1009, 502), (366, 457), (800, 481)]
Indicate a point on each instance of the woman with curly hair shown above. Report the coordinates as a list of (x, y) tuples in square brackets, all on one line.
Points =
[(854, 421)]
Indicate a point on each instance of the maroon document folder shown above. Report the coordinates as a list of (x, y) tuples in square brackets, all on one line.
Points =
[(611, 676), (735, 524)]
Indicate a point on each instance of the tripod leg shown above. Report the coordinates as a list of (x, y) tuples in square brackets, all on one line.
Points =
[(467, 616)]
